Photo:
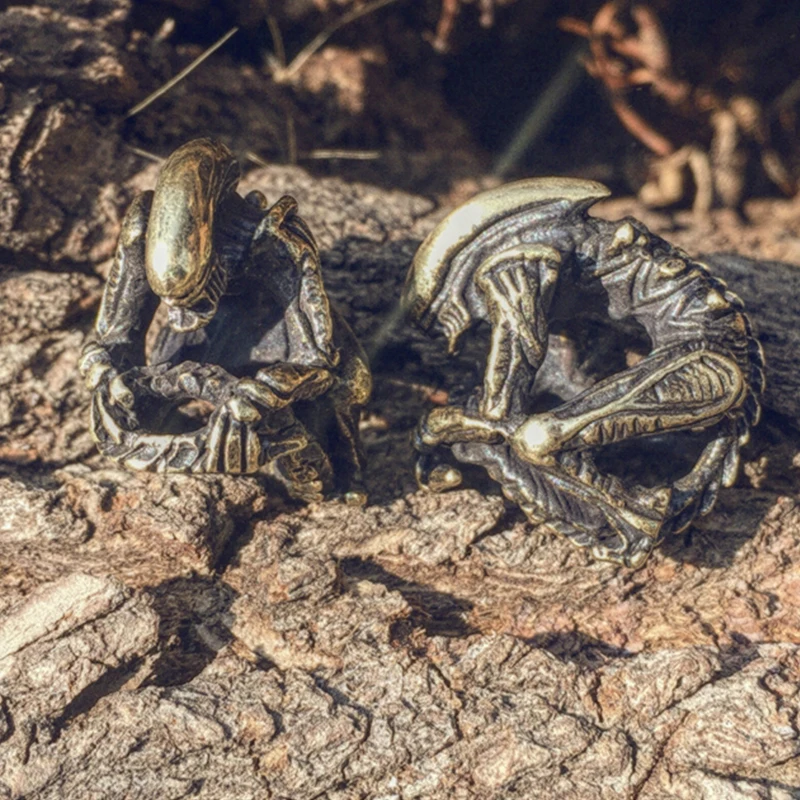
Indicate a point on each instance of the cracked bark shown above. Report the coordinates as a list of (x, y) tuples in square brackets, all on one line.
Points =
[(217, 641)]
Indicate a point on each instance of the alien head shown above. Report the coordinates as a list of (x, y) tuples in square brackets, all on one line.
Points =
[(440, 289), (180, 261)]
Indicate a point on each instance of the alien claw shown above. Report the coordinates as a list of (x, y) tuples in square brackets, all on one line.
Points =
[(243, 410), (258, 392), (92, 354), (119, 394), (98, 373), (257, 199), (252, 451), (233, 448), (443, 477), (286, 446), (103, 420), (215, 441)]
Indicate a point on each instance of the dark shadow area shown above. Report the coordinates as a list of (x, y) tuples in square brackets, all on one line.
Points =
[(32, 475), (735, 657), (385, 108), (7, 721), (85, 700), (437, 613), (242, 535), (341, 699), (398, 403), (419, 95), (774, 445), (512, 515), (653, 461), (714, 540), (364, 280), (244, 524), (396, 356), (12, 262), (577, 648), (191, 629)]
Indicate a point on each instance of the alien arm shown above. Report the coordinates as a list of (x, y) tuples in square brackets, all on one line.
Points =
[(513, 283), (281, 384), (128, 304), (282, 223), (516, 285)]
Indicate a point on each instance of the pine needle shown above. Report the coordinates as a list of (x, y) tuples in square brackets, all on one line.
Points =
[(291, 138), (321, 155), (146, 154), (277, 40), (256, 159), (349, 155), (545, 108), (181, 75)]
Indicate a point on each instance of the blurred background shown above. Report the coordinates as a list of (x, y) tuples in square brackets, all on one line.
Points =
[(424, 93), (689, 105)]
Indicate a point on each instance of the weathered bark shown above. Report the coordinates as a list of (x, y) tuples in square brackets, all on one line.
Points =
[(70, 71), (198, 636)]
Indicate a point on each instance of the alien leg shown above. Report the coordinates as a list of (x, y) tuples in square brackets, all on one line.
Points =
[(282, 222), (306, 472), (449, 425), (513, 283), (675, 388), (350, 392), (125, 313), (128, 304)]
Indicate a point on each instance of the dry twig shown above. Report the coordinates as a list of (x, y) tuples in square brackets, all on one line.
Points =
[(629, 49), (447, 21), (285, 74)]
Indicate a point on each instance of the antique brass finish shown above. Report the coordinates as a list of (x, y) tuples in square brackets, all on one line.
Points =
[(442, 246), (528, 260), (179, 246), (250, 334)]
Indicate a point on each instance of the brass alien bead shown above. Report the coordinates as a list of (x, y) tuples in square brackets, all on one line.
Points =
[(250, 337), (527, 260)]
